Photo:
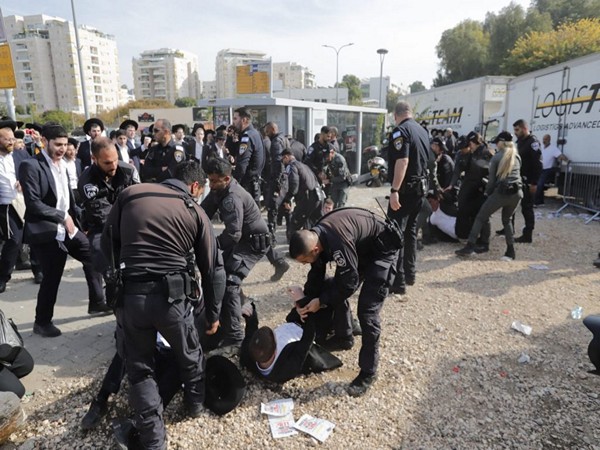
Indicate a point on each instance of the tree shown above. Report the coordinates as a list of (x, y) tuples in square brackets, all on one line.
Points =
[(113, 117), (391, 99), (416, 86), (562, 11), (463, 51), (537, 50), (60, 117), (185, 102), (352, 83)]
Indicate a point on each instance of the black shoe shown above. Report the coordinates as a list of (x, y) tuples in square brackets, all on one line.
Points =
[(361, 384), (280, 269), (420, 245), (467, 250), (500, 232), (194, 410), (510, 253), (410, 281), (597, 262), (92, 418), (429, 240), (38, 277), (356, 328), (525, 239), (48, 330), (23, 265), (398, 290), (483, 248), (2, 286), (99, 308), (125, 434), (334, 344)]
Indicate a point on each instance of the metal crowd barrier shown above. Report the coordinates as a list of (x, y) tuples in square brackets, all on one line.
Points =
[(582, 187)]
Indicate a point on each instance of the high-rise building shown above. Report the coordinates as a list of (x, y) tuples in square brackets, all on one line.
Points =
[(209, 89), (293, 76), (166, 74), (226, 69), (370, 90), (46, 65)]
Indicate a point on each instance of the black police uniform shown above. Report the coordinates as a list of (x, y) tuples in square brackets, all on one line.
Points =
[(250, 162), (161, 225), (409, 140), (339, 177), (279, 143), (314, 156), (530, 151), (475, 166), (162, 156), (98, 195), (355, 240), (244, 242), (305, 189)]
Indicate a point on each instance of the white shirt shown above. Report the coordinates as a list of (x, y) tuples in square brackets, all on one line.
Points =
[(72, 172), (220, 151), (549, 154), (124, 152), (198, 150), (444, 222), (8, 179), (61, 180), (284, 334)]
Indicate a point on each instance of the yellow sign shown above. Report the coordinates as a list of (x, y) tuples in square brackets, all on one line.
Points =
[(7, 73), (254, 78)]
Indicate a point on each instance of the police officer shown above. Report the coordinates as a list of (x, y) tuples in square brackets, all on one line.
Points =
[(161, 224), (163, 157), (530, 151), (314, 155), (98, 187), (409, 161), (305, 190), (245, 240), (363, 250), (250, 159), (336, 176), (273, 199), (473, 160)]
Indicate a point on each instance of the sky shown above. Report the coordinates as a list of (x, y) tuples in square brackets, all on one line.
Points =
[(286, 30)]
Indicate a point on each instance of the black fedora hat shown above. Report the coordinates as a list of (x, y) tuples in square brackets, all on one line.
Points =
[(8, 123), (87, 125), (128, 122), (18, 122), (34, 126), (225, 385)]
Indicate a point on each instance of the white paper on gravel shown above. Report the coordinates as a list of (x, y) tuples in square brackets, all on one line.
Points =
[(320, 429), (281, 419), (277, 407)]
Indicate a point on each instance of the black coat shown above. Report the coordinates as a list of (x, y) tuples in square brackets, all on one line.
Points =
[(84, 154)]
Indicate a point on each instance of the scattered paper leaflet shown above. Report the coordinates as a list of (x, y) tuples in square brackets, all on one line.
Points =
[(320, 429), (277, 407), (282, 426)]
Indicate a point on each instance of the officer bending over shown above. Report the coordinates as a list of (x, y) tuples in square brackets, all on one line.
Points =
[(163, 224), (363, 248)]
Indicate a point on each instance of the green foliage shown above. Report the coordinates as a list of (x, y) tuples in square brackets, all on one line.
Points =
[(21, 110), (463, 51), (537, 50), (562, 11), (60, 117), (185, 102), (352, 83), (391, 99), (114, 117), (416, 86)]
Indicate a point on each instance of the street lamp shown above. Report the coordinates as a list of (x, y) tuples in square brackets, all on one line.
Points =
[(337, 66), (381, 52)]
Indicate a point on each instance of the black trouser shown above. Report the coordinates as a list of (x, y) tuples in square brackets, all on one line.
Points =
[(141, 316), (272, 202), (527, 210), (12, 243), (253, 188), (15, 363), (239, 261), (305, 214), (470, 199), (52, 258), (339, 194), (406, 217)]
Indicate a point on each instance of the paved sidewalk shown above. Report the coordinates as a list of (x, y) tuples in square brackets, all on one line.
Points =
[(86, 343)]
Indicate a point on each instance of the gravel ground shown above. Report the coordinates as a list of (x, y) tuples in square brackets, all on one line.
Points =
[(449, 375)]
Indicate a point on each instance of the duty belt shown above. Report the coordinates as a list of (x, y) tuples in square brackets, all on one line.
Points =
[(144, 287)]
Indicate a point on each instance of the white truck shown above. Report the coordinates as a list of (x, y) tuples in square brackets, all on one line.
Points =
[(466, 106), (562, 101)]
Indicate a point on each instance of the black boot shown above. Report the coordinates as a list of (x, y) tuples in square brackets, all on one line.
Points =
[(526, 238), (467, 250), (510, 252)]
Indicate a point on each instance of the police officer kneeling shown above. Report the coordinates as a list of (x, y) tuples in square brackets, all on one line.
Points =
[(364, 248), (163, 224)]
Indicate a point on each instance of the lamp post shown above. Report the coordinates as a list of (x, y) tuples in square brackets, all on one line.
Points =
[(337, 67), (80, 62), (381, 52)]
